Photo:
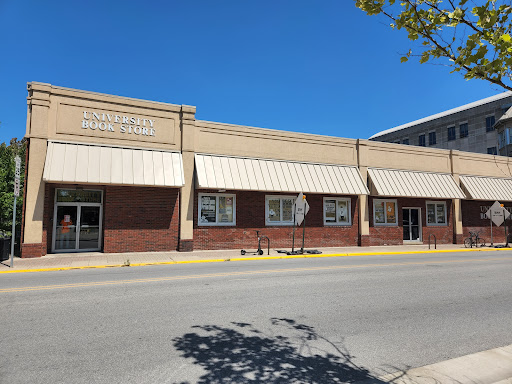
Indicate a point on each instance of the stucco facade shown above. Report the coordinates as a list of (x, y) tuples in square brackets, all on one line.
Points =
[(116, 174)]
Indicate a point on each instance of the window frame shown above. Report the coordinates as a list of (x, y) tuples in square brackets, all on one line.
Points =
[(216, 223), (494, 152), (424, 140), (386, 224), (491, 128), (454, 137), (337, 223), (467, 129), (432, 134), (280, 223), (503, 138), (436, 203)]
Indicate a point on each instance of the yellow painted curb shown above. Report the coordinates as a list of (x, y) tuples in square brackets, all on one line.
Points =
[(305, 256)]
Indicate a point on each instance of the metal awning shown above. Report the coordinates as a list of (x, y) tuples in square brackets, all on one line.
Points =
[(83, 163), (392, 182), (487, 188), (238, 173)]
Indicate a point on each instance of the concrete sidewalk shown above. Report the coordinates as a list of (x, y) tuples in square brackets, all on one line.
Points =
[(488, 367), (99, 260)]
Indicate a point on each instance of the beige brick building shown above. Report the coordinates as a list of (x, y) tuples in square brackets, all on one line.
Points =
[(114, 174)]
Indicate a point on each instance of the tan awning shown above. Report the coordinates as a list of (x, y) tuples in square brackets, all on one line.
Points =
[(82, 163), (392, 182), (238, 173), (487, 188)]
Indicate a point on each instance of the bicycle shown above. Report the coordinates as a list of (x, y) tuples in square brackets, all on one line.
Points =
[(474, 239)]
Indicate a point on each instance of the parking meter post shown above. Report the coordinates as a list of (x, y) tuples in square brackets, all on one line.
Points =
[(13, 231)]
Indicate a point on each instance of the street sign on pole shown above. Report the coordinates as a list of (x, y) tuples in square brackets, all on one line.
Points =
[(497, 213), (16, 187), (301, 209), (17, 172)]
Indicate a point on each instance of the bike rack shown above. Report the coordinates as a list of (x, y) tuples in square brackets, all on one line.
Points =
[(268, 244), (435, 241)]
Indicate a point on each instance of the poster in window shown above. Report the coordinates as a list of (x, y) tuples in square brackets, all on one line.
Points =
[(225, 209), (330, 211), (379, 213), (287, 210), (274, 210), (431, 214), (390, 212), (208, 212), (440, 214), (342, 211)]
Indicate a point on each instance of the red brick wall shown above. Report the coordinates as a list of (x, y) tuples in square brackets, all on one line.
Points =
[(393, 235), (472, 220), (250, 216), (140, 219), (135, 219)]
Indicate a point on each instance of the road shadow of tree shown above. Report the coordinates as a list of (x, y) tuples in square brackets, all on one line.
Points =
[(289, 353)]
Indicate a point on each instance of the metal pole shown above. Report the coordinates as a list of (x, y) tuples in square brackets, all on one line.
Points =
[(13, 232), (505, 222), (506, 234), (492, 242), (293, 236), (303, 233)]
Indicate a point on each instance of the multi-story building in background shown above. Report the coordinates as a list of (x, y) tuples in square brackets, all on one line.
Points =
[(504, 128), (482, 127)]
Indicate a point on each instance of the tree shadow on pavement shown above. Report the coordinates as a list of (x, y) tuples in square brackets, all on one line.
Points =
[(289, 352)]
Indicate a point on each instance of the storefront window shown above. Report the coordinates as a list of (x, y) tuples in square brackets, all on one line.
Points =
[(436, 213), (336, 211), (384, 212), (279, 210), (216, 209)]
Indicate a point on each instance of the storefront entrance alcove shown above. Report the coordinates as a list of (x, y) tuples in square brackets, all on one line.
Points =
[(412, 224), (77, 220)]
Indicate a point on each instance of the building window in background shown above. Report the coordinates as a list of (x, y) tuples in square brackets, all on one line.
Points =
[(463, 130), (432, 138), (489, 123), (451, 133)]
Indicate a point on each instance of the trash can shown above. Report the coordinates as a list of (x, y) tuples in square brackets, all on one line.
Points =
[(5, 248)]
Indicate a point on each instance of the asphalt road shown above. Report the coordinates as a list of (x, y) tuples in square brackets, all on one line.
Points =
[(302, 320)]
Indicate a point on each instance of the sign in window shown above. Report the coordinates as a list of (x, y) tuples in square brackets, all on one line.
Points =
[(216, 209)]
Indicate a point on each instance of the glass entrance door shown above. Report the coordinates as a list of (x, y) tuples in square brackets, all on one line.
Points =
[(77, 221), (89, 230), (65, 228), (411, 224)]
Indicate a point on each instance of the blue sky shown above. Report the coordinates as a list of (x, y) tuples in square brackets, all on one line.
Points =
[(321, 67)]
